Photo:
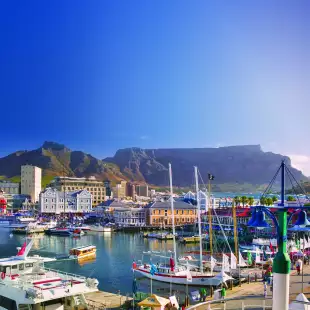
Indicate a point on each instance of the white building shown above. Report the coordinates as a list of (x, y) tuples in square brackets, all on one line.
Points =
[(9, 187), (129, 216), (53, 201), (31, 181)]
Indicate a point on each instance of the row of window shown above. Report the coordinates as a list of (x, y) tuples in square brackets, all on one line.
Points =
[(67, 207), (180, 212), (67, 200), (177, 220)]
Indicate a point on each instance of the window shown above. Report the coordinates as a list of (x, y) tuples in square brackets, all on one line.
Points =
[(21, 267), (166, 212), (27, 265), (45, 200), (14, 267)]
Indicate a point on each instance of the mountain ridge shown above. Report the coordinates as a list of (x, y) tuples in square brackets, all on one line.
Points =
[(232, 164)]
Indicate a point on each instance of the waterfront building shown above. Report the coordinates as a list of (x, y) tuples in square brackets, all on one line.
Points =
[(128, 216), (95, 187), (107, 186), (31, 181), (159, 213), (57, 202), (10, 187), (142, 190), (16, 202)]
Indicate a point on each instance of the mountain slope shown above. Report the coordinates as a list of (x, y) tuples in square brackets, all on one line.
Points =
[(234, 164), (56, 159)]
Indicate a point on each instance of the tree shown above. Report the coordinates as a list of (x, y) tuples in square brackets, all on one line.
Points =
[(291, 198), (269, 201), (251, 201), (262, 201), (237, 200), (274, 198), (244, 200)]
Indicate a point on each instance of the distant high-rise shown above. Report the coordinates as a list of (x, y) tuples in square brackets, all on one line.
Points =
[(31, 181), (142, 190), (130, 190)]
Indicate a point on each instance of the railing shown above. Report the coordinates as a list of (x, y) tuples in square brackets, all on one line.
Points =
[(67, 274)]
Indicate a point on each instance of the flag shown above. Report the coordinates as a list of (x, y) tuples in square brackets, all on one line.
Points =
[(225, 264), (134, 266), (22, 250), (249, 256), (213, 263), (271, 248), (257, 256), (241, 260), (153, 269), (233, 261), (210, 176)]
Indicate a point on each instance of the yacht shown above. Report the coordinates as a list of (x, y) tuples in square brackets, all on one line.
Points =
[(27, 284)]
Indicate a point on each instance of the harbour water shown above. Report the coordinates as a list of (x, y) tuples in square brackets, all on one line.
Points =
[(115, 255)]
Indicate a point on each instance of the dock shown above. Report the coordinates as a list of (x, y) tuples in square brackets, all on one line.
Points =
[(106, 300)]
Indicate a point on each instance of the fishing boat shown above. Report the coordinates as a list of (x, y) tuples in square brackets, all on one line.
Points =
[(174, 272), (77, 232), (83, 252), (27, 284), (192, 239), (101, 228)]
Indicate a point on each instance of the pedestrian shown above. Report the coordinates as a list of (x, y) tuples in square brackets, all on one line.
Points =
[(223, 292), (265, 289), (203, 294)]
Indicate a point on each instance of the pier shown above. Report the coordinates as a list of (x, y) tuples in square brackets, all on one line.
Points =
[(105, 300)]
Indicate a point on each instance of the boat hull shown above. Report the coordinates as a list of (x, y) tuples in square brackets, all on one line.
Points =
[(182, 280)]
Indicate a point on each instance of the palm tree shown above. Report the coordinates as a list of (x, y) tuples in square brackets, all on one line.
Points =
[(262, 201), (237, 200), (244, 200), (291, 198), (250, 201), (274, 198), (269, 201)]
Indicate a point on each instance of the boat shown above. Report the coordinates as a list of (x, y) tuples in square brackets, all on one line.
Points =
[(83, 252), (28, 230), (27, 284), (101, 228), (192, 239), (77, 232), (58, 231), (175, 272), (164, 236)]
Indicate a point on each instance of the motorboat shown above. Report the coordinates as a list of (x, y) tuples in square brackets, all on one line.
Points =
[(101, 228), (83, 252), (27, 284), (58, 231)]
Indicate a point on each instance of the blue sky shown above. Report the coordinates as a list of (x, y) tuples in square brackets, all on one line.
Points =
[(102, 75)]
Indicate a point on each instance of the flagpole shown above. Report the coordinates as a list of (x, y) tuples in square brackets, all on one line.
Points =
[(302, 269)]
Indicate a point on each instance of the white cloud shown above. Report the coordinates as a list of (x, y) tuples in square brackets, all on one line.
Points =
[(301, 162)]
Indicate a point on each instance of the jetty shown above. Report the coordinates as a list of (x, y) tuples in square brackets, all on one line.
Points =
[(106, 300)]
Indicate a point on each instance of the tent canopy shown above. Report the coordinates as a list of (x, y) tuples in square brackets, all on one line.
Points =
[(300, 306), (154, 301)]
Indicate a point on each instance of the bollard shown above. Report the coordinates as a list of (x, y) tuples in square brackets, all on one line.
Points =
[(248, 278), (255, 277)]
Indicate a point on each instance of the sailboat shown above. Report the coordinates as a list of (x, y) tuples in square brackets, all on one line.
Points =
[(174, 272)]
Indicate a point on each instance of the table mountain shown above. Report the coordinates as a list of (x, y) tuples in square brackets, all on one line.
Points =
[(232, 164), (235, 164)]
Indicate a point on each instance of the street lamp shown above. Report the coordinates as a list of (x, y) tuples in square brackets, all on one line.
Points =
[(281, 262)]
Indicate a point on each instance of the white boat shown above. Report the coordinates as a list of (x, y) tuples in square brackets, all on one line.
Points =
[(174, 272), (100, 228), (27, 284)]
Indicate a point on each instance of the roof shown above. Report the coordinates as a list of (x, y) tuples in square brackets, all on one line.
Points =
[(83, 248), (178, 205), (154, 301), (68, 194), (14, 261)]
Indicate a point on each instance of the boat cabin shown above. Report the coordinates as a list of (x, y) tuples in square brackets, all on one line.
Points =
[(14, 267), (83, 251)]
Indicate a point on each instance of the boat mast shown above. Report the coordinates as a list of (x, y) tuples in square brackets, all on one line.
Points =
[(234, 211), (210, 217), (172, 211), (199, 219)]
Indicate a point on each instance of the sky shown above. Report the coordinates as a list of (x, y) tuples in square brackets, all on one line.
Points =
[(103, 75)]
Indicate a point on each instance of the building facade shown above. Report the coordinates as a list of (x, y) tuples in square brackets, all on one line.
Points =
[(131, 190), (142, 190), (9, 187), (56, 202), (96, 188), (31, 177), (159, 213), (119, 191), (129, 216)]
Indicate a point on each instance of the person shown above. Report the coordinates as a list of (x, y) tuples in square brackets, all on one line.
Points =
[(203, 294), (223, 292), (265, 289)]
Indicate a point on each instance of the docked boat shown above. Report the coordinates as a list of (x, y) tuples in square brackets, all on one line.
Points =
[(192, 239), (77, 232), (101, 228), (83, 252), (59, 231), (164, 236), (27, 284)]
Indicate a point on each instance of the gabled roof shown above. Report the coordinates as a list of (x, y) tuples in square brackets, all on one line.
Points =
[(178, 205)]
